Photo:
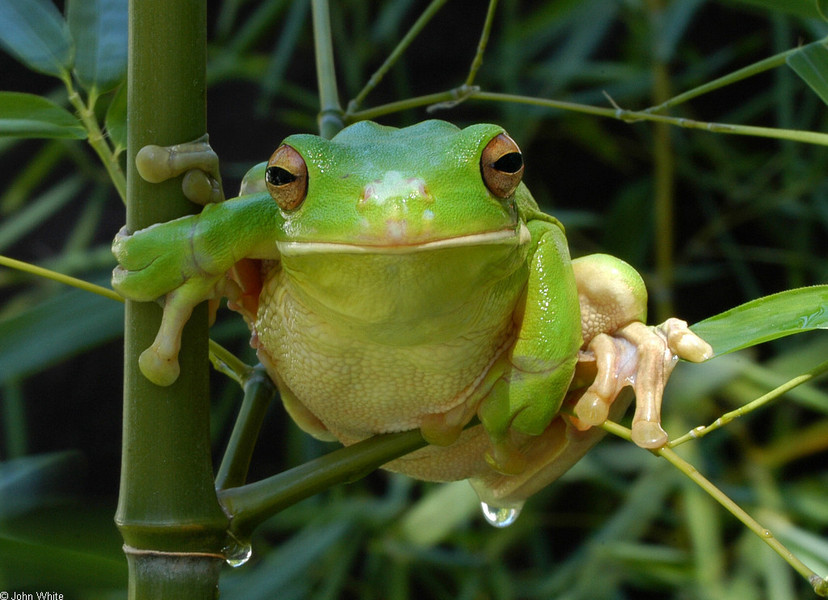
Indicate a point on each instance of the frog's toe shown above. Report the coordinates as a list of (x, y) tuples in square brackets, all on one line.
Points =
[(160, 163), (159, 369), (201, 188), (591, 410), (443, 429), (648, 434), (593, 406), (504, 457), (683, 342)]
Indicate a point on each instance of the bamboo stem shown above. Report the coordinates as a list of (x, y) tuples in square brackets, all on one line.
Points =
[(168, 513)]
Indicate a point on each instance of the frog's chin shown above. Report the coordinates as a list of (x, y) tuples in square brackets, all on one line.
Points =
[(512, 236)]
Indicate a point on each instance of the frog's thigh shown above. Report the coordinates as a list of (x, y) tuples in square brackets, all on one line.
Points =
[(611, 294), (304, 418)]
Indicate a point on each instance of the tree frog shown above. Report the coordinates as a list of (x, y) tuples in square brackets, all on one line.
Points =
[(395, 279)]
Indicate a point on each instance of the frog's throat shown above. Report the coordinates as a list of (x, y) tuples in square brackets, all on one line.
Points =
[(514, 237)]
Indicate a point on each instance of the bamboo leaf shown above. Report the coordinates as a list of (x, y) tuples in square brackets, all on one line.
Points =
[(801, 8), (811, 64), (99, 28), (31, 116), (51, 331), (36, 34), (766, 319), (116, 115)]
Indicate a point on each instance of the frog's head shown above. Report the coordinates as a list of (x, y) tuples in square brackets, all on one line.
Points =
[(376, 187), (396, 226)]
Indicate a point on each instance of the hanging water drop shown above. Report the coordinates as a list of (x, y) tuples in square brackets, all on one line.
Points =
[(236, 553), (500, 516)]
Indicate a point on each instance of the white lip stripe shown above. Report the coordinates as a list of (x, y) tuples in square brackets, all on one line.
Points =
[(507, 236)]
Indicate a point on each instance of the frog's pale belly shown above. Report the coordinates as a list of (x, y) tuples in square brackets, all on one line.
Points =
[(357, 386)]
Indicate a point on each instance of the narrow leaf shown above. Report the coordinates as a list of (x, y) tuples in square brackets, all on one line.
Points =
[(822, 7), (766, 319), (116, 116), (811, 64), (99, 28), (31, 116), (62, 326), (801, 8), (36, 34)]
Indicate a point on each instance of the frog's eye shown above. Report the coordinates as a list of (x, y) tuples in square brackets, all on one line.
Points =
[(501, 165), (286, 176)]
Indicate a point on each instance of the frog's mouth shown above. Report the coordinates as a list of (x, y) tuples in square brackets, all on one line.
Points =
[(507, 237)]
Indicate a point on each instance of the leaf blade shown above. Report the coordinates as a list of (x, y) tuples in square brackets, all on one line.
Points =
[(99, 28), (31, 116), (766, 319), (37, 35), (811, 64)]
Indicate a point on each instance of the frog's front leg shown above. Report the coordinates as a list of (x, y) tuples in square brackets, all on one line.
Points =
[(184, 261), (626, 352), (529, 382)]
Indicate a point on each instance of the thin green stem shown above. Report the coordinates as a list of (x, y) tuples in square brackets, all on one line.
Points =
[(401, 105), (819, 584), (398, 51), (628, 116), (60, 277), (251, 504), (259, 391), (229, 364), (96, 138), (330, 110), (756, 68), (477, 62), (772, 395)]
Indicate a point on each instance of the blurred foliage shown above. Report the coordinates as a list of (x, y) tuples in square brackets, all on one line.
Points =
[(730, 218)]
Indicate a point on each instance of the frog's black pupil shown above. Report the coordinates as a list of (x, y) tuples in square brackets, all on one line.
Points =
[(509, 163), (279, 176)]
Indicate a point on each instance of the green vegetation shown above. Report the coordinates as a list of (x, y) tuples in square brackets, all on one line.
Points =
[(687, 137)]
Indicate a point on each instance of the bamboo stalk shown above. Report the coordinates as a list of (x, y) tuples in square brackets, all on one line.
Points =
[(168, 513)]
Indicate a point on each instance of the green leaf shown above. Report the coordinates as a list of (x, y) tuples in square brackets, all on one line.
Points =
[(99, 28), (53, 330), (766, 319), (822, 7), (116, 116), (31, 116), (800, 8), (36, 34), (811, 64)]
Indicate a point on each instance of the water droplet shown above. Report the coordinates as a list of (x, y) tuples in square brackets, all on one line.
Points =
[(236, 552), (501, 516)]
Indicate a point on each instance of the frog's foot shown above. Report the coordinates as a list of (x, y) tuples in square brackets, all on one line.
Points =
[(642, 357), (196, 160), (159, 362), (443, 429)]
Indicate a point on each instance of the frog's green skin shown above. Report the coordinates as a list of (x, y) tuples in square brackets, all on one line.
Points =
[(402, 293)]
